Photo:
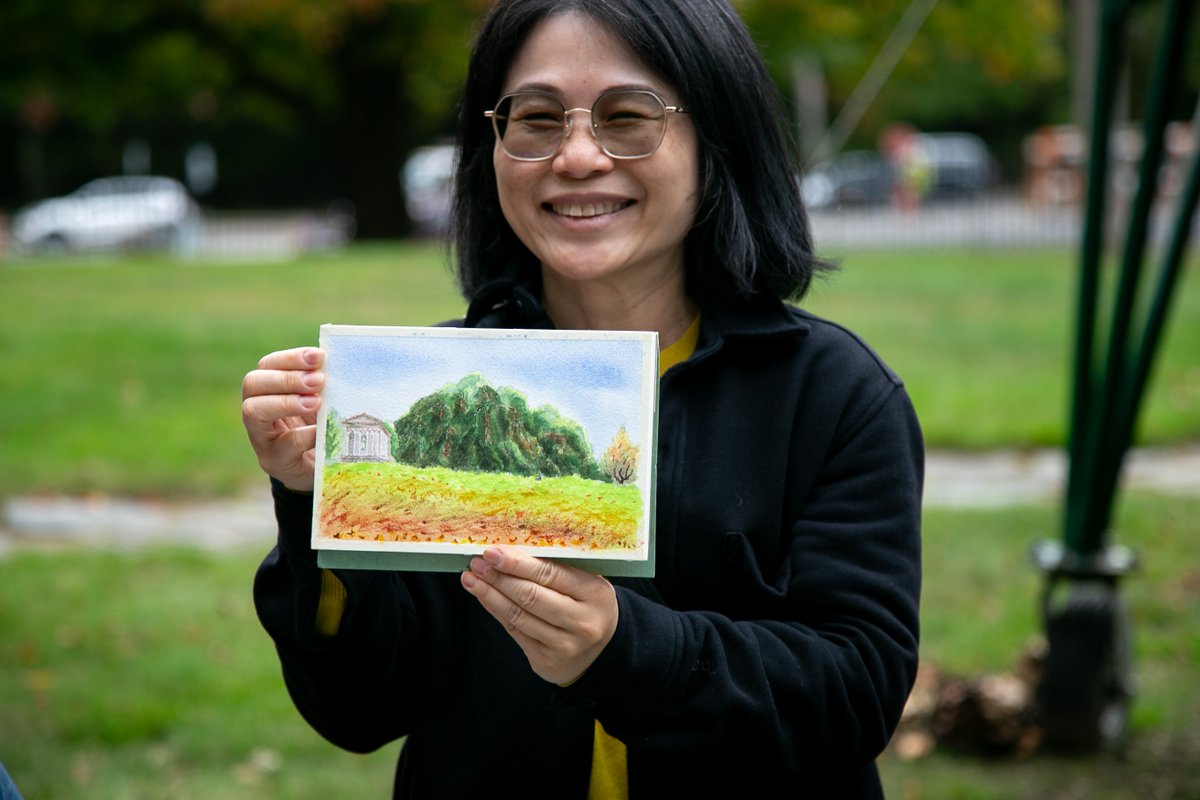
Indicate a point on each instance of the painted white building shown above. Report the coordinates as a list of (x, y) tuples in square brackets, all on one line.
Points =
[(365, 438)]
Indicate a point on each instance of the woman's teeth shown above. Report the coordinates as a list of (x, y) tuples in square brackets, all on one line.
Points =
[(586, 209)]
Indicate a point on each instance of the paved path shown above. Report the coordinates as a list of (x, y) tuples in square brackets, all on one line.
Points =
[(1002, 478), (955, 480)]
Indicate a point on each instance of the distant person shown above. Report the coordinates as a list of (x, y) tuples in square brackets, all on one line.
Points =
[(913, 169), (632, 174)]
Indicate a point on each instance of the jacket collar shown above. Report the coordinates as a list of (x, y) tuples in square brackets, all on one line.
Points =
[(763, 319), (759, 317), (506, 303)]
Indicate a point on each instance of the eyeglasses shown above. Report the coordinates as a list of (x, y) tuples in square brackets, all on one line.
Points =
[(626, 123)]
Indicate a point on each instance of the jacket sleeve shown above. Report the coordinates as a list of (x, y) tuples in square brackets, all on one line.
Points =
[(816, 681), (325, 674)]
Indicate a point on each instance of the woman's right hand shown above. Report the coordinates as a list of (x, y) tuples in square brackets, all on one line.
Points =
[(279, 409)]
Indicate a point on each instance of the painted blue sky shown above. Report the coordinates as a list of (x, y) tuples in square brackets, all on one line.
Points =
[(595, 382)]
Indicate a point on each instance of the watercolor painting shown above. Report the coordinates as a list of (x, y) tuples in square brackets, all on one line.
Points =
[(438, 442)]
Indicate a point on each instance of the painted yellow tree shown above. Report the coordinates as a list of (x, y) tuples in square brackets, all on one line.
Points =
[(619, 461)]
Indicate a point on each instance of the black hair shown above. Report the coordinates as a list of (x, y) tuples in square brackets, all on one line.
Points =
[(751, 236)]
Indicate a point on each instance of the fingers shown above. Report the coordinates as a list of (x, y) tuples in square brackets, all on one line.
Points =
[(524, 600), (280, 400), (298, 358), (275, 402), (286, 384), (282, 381), (531, 581), (561, 617), (262, 411), (523, 624)]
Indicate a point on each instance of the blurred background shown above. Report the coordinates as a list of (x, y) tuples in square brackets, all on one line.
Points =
[(329, 121), (186, 185)]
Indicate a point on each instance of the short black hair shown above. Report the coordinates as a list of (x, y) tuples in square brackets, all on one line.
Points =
[(751, 236)]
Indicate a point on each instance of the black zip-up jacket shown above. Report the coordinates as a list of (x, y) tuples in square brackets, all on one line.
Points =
[(775, 647)]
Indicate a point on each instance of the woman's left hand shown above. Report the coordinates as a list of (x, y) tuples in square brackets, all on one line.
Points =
[(561, 617)]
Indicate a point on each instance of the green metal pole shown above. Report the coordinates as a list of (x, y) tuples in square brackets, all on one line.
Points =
[(1113, 18), (1111, 437), (1084, 693), (1171, 267)]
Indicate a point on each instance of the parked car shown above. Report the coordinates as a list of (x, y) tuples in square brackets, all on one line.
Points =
[(427, 178), (955, 166), (854, 178), (126, 211), (962, 166)]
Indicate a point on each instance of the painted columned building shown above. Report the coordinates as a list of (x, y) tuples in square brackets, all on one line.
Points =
[(365, 438)]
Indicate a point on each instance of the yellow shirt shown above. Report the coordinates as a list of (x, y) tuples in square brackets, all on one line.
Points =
[(610, 778)]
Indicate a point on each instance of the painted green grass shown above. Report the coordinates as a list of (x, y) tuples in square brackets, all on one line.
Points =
[(400, 502), (123, 375), (146, 674)]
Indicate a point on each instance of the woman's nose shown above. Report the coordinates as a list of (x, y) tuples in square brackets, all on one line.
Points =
[(580, 153)]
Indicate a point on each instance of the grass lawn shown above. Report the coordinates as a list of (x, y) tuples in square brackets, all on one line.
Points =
[(145, 674), (985, 339), (979, 608), (124, 375)]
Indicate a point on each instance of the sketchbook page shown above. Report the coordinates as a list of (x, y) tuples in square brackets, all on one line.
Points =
[(434, 443)]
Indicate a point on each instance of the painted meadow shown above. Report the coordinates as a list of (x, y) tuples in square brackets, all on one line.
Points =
[(398, 502)]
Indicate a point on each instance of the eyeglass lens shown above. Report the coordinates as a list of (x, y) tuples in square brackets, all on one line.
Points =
[(627, 124)]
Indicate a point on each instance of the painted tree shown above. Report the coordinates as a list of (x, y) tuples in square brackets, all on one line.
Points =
[(471, 425), (333, 433), (619, 461)]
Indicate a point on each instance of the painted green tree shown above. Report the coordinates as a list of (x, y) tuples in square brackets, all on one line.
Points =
[(472, 425), (333, 433)]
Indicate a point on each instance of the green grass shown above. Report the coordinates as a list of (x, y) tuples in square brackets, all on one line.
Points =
[(146, 674), (123, 375), (984, 340), (141, 675), (980, 609)]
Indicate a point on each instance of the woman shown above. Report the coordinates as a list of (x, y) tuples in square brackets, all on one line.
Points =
[(778, 641)]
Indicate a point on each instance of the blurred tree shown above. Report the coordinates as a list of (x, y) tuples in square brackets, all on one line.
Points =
[(993, 68), (304, 101)]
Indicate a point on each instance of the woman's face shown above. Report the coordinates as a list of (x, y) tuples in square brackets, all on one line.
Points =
[(590, 218)]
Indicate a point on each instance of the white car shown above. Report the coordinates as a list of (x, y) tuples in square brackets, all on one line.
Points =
[(110, 213), (428, 179)]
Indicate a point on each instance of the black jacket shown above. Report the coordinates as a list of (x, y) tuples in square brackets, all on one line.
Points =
[(775, 647)]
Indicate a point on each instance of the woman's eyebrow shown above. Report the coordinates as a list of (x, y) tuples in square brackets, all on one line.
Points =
[(554, 90)]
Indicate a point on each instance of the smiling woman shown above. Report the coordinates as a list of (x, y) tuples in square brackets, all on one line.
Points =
[(608, 232), (622, 166)]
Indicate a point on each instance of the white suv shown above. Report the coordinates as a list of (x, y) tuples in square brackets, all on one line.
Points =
[(110, 213)]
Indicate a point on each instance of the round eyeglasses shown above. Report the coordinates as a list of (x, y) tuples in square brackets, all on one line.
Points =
[(626, 123)]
